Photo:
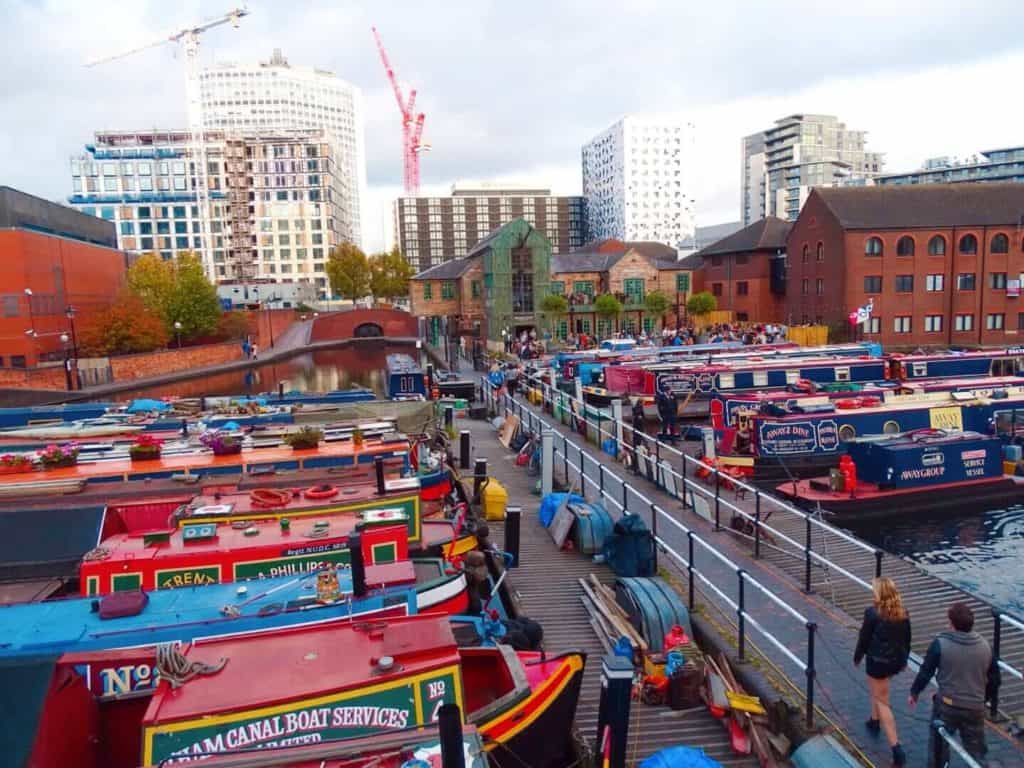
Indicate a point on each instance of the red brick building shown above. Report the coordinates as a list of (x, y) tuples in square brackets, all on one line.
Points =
[(942, 263), (746, 271), (57, 267)]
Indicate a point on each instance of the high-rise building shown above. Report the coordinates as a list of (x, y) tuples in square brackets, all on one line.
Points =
[(992, 165), (782, 164), (263, 224), (274, 96), (432, 230), (638, 181)]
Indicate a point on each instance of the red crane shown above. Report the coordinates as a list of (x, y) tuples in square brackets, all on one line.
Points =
[(412, 127)]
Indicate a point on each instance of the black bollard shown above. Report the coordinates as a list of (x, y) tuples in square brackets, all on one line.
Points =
[(464, 449), (613, 709), (356, 563), (479, 476), (378, 470), (449, 729), (449, 417), (430, 377), (184, 428), (513, 517), (280, 390)]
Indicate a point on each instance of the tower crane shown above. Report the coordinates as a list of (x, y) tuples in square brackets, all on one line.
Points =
[(412, 126), (189, 39)]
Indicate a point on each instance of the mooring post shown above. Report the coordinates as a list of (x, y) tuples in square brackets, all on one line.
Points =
[(513, 518), (378, 471), (449, 417), (430, 377), (449, 728), (878, 563), (464, 449), (479, 476), (613, 709)]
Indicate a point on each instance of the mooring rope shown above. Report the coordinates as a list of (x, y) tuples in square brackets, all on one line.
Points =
[(175, 667)]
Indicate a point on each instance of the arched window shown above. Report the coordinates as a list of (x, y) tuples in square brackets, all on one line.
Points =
[(873, 246), (804, 253), (1000, 244), (821, 252), (905, 246), (937, 246), (968, 244)]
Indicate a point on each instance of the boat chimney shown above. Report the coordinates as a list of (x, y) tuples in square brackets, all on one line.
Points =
[(355, 554), (449, 727), (378, 468)]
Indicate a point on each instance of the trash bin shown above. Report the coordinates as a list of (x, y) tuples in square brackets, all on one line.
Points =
[(495, 499)]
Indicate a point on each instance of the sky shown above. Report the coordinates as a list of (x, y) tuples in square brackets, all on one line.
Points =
[(513, 90)]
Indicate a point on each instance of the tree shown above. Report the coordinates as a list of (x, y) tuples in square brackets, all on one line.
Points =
[(554, 306), (124, 327), (701, 304), (657, 303), (349, 272), (607, 306), (152, 280), (389, 275), (233, 325), (193, 301)]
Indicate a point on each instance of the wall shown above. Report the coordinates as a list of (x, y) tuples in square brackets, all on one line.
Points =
[(759, 303), (128, 367), (341, 325), (269, 324), (816, 224)]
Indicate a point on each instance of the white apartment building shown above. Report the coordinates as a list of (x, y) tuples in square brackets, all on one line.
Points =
[(274, 96), (274, 196), (638, 181)]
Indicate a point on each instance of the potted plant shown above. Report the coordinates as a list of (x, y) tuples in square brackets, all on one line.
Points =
[(220, 443), (306, 437), (145, 448), (357, 437), (12, 463), (54, 456)]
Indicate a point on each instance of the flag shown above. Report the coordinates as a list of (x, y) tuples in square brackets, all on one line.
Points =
[(861, 315)]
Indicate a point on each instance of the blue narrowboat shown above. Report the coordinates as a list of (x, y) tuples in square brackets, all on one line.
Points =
[(405, 378)]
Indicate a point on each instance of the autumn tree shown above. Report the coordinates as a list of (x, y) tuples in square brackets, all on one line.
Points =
[(151, 278), (349, 272), (124, 327), (390, 273)]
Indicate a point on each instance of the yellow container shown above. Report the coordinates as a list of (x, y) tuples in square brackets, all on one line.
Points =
[(536, 396), (495, 499), (1009, 467)]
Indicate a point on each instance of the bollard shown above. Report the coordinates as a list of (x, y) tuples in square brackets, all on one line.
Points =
[(449, 417), (449, 729), (613, 709), (356, 564), (479, 476), (430, 377), (464, 449), (378, 470), (513, 517), (878, 563), (280, 390)]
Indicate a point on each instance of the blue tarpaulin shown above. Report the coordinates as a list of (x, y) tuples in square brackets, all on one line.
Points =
[(680, 757), (549, 505), (147, 406)]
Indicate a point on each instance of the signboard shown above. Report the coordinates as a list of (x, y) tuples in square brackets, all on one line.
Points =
[(828, 435), (946, 418), (287, 566), (173, 578), (676, 383), (781, 439)]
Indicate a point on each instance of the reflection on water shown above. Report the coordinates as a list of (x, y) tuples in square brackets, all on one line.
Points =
[(359, 365), (979, 552)]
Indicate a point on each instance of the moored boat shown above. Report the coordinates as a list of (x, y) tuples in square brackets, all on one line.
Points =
[(405, 379)]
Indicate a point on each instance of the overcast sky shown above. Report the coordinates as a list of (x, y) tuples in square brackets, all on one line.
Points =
[(512, 90)]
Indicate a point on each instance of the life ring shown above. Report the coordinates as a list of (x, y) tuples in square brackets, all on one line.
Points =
[(320, 492), (870, 401), (269, 497), (847, 404)]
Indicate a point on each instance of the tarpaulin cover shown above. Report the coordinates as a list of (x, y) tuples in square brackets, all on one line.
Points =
[(24, 684), (412, 417), (624, 380), (36, 543), (146, 405), (549, 505), (680, 757)]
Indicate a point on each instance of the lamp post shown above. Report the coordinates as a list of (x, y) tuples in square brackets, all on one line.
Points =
[(64, 339), (69, 313), (177, 331)]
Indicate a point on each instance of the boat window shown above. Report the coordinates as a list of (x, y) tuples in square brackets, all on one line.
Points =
[(726, 380), (920, 369), (847, 432), (890, 427), (843, 373), (1004, 366), (792, 377), (760, 378)]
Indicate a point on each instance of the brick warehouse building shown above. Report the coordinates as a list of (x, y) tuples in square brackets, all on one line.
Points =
[(746, 271), (52, 259), (942, 263)]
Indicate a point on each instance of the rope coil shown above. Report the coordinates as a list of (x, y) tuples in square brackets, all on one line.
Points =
[(174, 667)]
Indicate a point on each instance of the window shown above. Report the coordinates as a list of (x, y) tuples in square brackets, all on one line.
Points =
[(873, 246), (963, 323), (557, 287), (181, 227), (805, 286), (937, 246), (163, 228), (901, 324), (904, 283), (842, 373), (634, 289), (821, 252), (995, 321), (805, 253), (934, 282), (475, 286), (905, 246), (965, 281), (819, 286), (968, 244), (997, 280), (584, 286), (1000, 244), (872, 284), (181, 243), (683, 282), (522, 280), (716, 289), (873, 325), (742, 288), (932, 323), (428, 292)]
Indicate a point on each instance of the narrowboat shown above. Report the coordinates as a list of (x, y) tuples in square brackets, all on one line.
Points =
[(405, 379), (900, 474), (328, 685)]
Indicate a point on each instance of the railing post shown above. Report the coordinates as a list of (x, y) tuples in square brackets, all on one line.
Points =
[(878, 563), (811, 629), (997, 637), (686, 504), (718, 496), (600, 478), (657, 463), (654, 533), (740, 616), (757, 524), (689, 568), (807, 553)]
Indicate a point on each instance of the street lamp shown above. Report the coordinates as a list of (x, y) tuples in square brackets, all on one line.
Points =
[(69, 313), (64, 339), (177, 330)]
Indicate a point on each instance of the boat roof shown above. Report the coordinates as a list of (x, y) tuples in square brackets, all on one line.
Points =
[(24, 685), (926, 437), (747, 362), (956, 353), (354, 491), (307, 663), (868, 388), (1014, 396), (401, 363)]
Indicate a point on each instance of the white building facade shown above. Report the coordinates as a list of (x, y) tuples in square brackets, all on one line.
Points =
[(638, 181), (274, 96)]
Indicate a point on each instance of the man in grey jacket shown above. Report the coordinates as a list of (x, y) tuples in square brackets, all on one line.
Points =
[(968, 675)]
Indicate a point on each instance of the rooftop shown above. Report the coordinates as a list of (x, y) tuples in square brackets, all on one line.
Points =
[(767, 234), (925, 205)]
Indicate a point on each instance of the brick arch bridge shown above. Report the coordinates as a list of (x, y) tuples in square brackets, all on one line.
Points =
[(363, 323)]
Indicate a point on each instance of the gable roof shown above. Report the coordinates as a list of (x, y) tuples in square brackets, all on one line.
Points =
[(925, 205), (602, 255), (585, 261), (446, 270), (765, 234)]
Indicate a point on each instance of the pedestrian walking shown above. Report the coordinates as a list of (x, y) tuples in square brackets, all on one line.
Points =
[(667, 410), (884, 640), (255, 350), (968, 674), (638, 414)]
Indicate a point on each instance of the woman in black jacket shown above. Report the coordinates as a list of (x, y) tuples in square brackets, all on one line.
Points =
[(885, 640)]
